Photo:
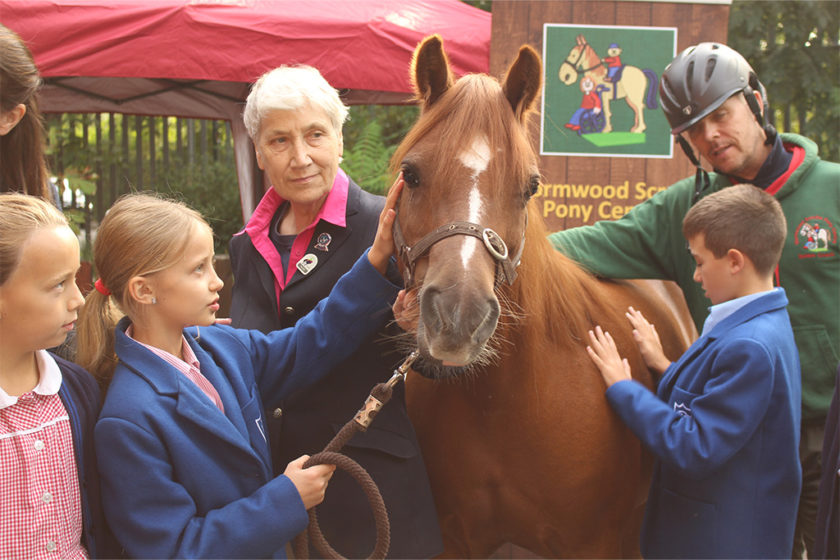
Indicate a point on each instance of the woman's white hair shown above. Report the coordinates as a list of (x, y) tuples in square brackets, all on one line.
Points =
[(289, 88)]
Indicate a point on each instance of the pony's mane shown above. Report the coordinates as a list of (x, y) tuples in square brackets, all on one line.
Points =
[(474, 105), (556, 295)]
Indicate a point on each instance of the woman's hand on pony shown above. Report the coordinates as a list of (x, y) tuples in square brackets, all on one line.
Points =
[(383, 243)]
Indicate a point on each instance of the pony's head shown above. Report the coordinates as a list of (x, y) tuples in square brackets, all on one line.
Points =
[(582, 58), (469, 171)]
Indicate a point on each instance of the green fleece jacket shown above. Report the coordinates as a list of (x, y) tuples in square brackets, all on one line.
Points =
[(647, 243)]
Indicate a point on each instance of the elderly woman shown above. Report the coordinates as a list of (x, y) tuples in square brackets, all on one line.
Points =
[(308, 230)]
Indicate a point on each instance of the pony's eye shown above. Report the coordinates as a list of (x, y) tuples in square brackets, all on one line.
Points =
[(533, 186), (410, 177)]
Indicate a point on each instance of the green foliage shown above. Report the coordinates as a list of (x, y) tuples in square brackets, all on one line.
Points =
[(366, 161), (370, 137), (485, 5), (794, 48), (212, 189)]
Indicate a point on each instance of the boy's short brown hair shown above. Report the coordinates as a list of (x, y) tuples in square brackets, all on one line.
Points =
[(741, 217)]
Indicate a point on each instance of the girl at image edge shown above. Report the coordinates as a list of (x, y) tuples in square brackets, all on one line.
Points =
[(49, 496)]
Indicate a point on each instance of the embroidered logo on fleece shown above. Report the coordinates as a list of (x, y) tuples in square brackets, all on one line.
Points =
[(682, 409), (815, 236)]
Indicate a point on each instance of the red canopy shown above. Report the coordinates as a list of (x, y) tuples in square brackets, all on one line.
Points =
[(196, 58)]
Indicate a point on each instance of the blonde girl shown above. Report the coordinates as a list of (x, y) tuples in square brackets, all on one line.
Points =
[(49, 494), (183, 452)]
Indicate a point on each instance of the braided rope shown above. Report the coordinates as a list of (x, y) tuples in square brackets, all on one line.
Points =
[(330, 455)]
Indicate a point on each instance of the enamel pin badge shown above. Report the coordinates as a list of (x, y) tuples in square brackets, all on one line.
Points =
[(323, 242), (307, 263)]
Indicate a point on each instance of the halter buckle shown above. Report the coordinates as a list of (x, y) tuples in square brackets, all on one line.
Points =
[(495, 245)]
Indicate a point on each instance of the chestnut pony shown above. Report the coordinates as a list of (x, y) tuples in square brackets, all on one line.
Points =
[(519, 441)]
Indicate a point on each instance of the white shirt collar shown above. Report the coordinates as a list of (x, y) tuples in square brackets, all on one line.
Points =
[(49, 379), (721, 311)]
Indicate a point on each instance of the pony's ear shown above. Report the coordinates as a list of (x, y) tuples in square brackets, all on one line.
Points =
[(523, 81), (430, 73)]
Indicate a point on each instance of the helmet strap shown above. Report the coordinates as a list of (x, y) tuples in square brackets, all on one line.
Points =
[(701, 177), (687, 149), (749, 95)]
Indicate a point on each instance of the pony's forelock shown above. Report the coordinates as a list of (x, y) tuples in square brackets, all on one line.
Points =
[(490, 115)]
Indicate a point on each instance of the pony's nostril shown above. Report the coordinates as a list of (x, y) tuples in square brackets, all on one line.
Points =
[(430, 311), (487, 325)]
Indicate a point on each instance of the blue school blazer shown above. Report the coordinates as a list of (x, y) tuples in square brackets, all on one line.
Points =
[(724, 426), (182, 479)]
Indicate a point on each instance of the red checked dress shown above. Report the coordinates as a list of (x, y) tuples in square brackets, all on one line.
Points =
[(40, 504)]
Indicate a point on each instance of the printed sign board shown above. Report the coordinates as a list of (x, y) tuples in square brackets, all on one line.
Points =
[(601, 90)]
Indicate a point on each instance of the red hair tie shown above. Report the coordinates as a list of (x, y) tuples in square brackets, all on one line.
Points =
[(100, 287)]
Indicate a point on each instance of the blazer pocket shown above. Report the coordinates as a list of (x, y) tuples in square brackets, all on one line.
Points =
[(817, 354), (385, 441), (690, 526), (681, 401)]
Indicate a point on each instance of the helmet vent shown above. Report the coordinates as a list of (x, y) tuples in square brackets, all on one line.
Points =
[(710, 67), (689, 72)]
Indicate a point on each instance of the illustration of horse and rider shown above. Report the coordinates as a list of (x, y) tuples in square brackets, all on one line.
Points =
[(608, 80)]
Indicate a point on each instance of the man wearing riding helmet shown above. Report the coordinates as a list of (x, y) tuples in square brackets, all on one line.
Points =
[(712, 96)]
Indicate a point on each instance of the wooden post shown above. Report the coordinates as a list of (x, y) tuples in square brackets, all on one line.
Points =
[(203, 145), (125, 183), (165, 145), (113, 170), (138, 152), (152, 154), (100, 180), (191, 142)]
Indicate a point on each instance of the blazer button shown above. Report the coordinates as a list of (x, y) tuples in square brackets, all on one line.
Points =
[(278, 412), (289, 310)]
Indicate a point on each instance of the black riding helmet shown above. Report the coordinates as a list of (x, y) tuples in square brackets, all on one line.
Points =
[(701, 78), (696, 83)]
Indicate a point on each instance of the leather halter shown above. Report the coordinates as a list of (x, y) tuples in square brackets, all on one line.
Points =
[(576, 63), (495, 245)]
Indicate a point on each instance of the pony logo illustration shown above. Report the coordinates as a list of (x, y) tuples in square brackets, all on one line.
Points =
[(600, 90), (815, 236), (682, 409), (637, 86)]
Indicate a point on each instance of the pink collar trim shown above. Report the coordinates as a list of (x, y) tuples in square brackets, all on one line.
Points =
[(334, 210)]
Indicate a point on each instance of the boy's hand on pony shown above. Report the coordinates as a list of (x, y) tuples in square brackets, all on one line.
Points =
[(645, 335), (311, 483), (604, 353), (383, 243)]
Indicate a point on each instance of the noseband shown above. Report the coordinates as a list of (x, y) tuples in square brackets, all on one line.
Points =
[(495, 245)]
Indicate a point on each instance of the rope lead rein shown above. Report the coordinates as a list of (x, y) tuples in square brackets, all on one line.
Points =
[(378, 397)]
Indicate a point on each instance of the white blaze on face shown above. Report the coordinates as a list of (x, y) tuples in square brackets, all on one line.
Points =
[(475, 158)]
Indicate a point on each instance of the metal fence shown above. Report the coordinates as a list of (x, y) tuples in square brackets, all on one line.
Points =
[(97, 157)]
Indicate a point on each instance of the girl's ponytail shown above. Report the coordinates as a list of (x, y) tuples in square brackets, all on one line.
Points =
[(95, 337)]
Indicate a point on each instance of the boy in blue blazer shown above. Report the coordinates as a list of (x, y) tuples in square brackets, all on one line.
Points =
[(724, 423)]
